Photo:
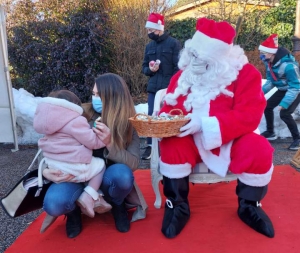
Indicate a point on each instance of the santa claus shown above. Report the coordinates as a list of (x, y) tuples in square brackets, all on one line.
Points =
[(221, 93)]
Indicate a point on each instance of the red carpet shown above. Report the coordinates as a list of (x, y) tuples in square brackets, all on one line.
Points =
[(214, 225)]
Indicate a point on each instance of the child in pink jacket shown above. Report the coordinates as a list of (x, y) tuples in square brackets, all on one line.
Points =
[(68, 144)]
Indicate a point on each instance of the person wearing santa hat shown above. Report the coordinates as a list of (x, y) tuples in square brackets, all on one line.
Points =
[(221, 93), (282, 73), (160, 62)]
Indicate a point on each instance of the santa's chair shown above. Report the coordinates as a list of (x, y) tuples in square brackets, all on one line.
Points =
[(200, 173)]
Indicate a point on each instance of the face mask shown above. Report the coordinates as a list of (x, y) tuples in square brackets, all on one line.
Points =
[(263, 58), (153, 36), (97, 104), (201, 69), (198, 66)]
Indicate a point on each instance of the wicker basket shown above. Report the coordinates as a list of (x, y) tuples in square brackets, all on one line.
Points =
[(159, 128)]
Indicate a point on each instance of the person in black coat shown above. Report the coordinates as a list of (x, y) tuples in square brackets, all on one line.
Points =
[(160, 62)]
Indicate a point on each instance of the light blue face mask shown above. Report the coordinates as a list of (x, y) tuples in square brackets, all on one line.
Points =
[(97, 104)]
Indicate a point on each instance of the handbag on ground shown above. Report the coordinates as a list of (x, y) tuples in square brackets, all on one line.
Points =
[(28, 193)]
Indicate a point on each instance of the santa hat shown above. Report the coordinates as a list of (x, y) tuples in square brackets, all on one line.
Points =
[(213, 38), (270, 45), (155, 21)]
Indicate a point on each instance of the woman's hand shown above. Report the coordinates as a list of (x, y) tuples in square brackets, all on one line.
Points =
[(103, 133), (57, 176)]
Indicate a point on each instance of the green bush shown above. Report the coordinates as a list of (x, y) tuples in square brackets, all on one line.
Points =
[(182, 29), (256, 26), (59, 53), (281, 20)]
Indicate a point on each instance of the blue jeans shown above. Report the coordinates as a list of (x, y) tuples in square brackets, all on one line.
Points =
[(116, 185)]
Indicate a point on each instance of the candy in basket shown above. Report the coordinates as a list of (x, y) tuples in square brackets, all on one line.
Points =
[(159, 126)]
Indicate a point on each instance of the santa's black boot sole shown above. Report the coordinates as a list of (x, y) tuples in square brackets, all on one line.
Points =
[(175, 220), (255, 217), (250, 211)]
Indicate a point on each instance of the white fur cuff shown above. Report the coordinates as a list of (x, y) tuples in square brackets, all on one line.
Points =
[(257, 180), (175, 170), (92, 192), (211, 137)]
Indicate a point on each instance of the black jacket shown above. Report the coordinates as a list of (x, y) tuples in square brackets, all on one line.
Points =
[(166, 49)]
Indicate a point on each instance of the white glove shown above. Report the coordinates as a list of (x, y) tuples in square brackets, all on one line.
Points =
[(192, 127)]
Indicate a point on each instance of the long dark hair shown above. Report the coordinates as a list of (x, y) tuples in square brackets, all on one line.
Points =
[(117, 108)]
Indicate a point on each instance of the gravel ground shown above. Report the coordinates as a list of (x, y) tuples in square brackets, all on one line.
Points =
[(14, 164)]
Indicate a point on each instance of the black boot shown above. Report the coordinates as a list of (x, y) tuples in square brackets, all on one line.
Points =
[(250, 211), (177, 210), (74, 224), (121, 217)]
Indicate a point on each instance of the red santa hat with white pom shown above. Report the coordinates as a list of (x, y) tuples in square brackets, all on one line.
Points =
[(213, 38), (155, 21), (270, 45)]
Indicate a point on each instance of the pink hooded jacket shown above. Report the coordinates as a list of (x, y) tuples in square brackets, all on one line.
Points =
[(68, 136)]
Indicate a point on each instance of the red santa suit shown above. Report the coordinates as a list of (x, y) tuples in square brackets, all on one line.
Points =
[(227, 140), (222, 94)]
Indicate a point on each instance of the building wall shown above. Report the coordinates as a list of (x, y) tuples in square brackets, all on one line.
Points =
[(197, 10), (6, 110)]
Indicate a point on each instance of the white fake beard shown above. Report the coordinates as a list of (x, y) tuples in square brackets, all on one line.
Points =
[(207, 86)]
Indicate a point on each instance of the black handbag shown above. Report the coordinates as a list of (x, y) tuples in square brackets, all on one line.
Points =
[(28, 194)]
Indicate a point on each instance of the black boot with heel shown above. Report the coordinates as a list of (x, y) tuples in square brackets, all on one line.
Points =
[(74, 224), (250, 211), (177, 210), (120, 215)]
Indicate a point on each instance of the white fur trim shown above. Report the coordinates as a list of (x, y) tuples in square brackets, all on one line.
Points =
[(170, 100), (92, 192), (267, 49), (82, 172), (256, 131), (154, 26), (203, 43), (256, 180), (211, 137), (62, 103), (218, 164), (175, 170)]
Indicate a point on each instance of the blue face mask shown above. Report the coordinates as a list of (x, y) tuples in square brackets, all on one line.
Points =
[(97, 104), (263, 58)]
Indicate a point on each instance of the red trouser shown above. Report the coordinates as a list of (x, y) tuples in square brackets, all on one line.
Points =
[(244, 158)]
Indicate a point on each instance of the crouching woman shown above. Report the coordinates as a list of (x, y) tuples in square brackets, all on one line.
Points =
[(112, 101)]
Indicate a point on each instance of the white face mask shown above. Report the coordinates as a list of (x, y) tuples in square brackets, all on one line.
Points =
[(201, 69), (198, 66)]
